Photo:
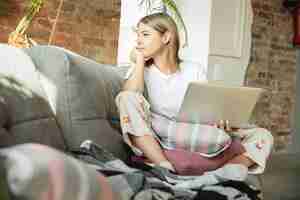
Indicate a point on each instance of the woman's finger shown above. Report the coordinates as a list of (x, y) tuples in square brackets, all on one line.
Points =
[(221, 124), (227, 126)]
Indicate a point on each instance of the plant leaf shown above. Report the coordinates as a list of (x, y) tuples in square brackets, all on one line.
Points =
[(172, 7)]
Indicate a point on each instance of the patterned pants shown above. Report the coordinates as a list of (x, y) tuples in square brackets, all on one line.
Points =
[(135, 117)]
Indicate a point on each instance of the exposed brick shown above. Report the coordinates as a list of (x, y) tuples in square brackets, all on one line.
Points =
[(61, 38), (93, 41), (111, 14), (281, 143), (273, 61), (68, 7), (68, 17), (81, 26), (39, 34), (65, 27), (10, 21), (44, 22), (4, 32)]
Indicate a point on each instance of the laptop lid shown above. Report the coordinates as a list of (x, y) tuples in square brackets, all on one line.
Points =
[(208, 103)]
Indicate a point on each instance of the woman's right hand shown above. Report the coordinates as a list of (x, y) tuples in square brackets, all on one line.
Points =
[(140, 58)]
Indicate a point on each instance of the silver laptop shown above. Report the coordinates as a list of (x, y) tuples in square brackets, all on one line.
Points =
[(209, 103)]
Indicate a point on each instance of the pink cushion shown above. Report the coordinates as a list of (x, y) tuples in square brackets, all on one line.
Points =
[(191, 163)]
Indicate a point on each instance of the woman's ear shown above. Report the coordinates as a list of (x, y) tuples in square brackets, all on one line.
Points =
[(166, 37)]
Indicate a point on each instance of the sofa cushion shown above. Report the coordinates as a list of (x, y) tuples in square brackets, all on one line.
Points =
[(29, 117), (22, 104), (101, 83), (6, 138), (20, 87), (191, 163), (42, 131), (24, 98), (81, 93)]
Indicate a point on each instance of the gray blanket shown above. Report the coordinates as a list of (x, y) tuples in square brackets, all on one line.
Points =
[(143, 182)]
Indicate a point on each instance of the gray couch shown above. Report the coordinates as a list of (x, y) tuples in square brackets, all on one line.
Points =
[(51, 96), (55, 97)]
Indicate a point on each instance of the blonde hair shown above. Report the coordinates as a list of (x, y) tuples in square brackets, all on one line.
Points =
[(162, 23)]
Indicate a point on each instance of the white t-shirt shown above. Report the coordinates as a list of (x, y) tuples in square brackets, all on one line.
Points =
[(166, 92)]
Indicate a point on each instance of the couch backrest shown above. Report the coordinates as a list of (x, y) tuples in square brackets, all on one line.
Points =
[(25, 115), (81, 93)]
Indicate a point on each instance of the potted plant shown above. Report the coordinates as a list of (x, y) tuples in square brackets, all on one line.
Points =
[(18, 37)]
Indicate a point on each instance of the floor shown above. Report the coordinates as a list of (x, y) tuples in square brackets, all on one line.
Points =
[(281, 180)]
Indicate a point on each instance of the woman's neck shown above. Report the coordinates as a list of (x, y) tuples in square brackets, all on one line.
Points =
[(166, 64)]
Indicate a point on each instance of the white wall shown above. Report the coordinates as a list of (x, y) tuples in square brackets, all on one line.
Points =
[(129, 17), (230, 41), (197, 18)]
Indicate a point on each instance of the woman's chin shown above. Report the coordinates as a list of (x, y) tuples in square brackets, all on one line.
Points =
[(147, 58)]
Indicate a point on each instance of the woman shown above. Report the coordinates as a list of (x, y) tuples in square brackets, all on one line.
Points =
[(158, 69)]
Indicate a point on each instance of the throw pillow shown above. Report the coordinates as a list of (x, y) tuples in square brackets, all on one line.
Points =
[(191, 163)]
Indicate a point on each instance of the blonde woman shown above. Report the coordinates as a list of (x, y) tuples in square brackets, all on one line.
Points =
[(148, 126)]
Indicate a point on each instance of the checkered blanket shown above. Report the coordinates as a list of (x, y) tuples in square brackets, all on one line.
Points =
[(142, 182), (38, 172)]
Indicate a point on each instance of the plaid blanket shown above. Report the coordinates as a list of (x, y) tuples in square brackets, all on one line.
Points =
[(143, 182), (38, 172)]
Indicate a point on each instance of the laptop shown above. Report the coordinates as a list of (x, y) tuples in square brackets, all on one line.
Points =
[(208, 103)]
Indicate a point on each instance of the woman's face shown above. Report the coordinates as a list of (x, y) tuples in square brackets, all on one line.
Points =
[(149, 41)]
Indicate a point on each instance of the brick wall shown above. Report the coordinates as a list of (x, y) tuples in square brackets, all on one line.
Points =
[(273, 67), (89, 28)]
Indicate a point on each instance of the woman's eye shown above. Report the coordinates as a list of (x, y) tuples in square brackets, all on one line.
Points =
[(146, 34)]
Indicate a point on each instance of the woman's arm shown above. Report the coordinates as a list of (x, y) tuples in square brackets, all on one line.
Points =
[(135, 81)]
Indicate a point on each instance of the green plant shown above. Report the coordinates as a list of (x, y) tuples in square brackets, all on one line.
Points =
[(172, 7), (19, 36), (31, 12)]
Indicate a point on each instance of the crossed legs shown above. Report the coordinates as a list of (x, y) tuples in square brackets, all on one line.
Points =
[(137, 132)]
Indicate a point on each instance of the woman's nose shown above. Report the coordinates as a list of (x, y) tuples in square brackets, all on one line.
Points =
[(138, 41)]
